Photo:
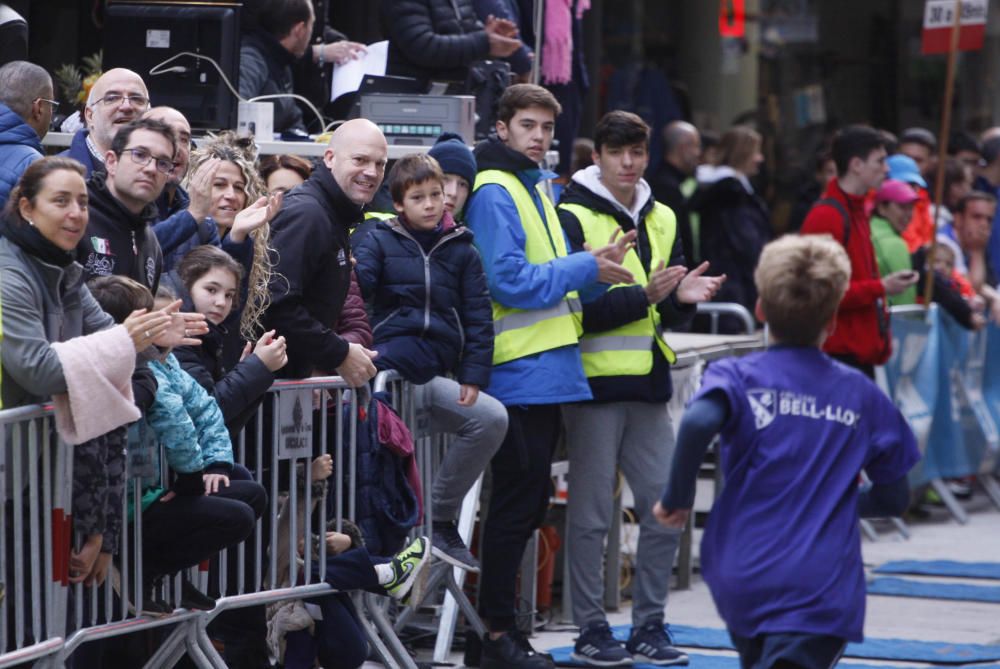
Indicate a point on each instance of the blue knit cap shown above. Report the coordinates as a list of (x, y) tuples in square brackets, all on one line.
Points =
[(454, 156)]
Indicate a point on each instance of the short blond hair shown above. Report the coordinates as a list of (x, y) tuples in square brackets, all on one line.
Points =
[(801, 281)]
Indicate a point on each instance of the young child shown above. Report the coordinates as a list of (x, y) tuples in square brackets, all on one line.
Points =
[(297, 638), (781, 551), (212, 503), (431, 317), (211, 280)]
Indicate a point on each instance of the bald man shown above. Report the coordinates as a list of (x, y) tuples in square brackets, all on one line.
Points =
[(681, 155), (117, 98), (311, 235)]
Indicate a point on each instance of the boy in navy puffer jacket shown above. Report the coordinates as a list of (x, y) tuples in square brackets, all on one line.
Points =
[(431, 317)]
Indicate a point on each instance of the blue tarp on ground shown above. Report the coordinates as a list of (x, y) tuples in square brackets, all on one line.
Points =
[(941, 568), (901, 587)]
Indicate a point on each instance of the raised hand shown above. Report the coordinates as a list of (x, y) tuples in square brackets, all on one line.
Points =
[(695, 287), (662, 281), (199, 188), (255, 216)]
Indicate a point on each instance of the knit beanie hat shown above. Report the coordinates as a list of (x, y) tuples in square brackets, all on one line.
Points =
[(454, 156)]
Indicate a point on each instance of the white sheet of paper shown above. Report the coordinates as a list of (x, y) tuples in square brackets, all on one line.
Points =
[(347, 77)]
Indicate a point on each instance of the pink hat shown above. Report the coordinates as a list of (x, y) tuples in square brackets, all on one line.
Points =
[(895, 191)]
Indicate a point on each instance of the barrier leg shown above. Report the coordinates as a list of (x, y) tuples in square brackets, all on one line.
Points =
[(380, 633), (991, 488), (195, 651), (170, 651), (952, 504), (200, 627), (901, 527), (868, 529), (685, 561)]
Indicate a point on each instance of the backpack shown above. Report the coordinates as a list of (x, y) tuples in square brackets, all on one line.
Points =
[(386, 506), (832, 202)]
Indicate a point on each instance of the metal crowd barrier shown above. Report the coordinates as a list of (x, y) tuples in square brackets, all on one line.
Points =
[(42, 621), (36, 470), (429, 449)]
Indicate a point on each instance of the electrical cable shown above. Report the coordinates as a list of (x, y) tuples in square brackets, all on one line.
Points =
[(158, 69)]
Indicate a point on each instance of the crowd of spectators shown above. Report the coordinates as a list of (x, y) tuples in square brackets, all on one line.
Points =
[(199, 274)]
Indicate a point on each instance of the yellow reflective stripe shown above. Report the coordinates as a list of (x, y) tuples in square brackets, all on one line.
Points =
[(599, 344), (524, 319)]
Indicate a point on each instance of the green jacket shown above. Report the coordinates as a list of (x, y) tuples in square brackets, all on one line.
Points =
[(892, 255)]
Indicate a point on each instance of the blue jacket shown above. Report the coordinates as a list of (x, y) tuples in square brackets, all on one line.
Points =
[(188, 422), (436, 298), (19, 147), (551, 377), (80, 152)]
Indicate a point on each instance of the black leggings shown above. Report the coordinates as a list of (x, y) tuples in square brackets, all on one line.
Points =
[(187, 529)]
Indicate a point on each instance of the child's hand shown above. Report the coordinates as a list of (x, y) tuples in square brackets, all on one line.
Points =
[(337, 542), (672, 518), (976, 302), (467, 394), (272, 352), (212, 482), (82, 563), (145, 327), (247, 350), (322, 467), (978, 321)]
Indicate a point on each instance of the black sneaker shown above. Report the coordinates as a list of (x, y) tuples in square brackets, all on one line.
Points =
[(651, 643), (194, 599), (598, 647), (512, 651), (448, 546)]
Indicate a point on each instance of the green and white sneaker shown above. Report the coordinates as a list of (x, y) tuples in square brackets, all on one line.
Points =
[(406, 567)]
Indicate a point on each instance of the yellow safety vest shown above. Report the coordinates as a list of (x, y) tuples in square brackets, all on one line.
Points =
[(379, 215), (519, 333), (627, 350)]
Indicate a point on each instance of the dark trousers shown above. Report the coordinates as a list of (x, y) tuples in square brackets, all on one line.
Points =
[(519, 498), (339, 641), (190, 528), (789, 651)]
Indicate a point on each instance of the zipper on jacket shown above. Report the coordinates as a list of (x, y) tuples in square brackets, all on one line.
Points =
[(427, 266), (135, 247)]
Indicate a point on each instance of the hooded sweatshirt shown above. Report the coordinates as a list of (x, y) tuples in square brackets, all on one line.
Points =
[(117, 241), (624, 304)]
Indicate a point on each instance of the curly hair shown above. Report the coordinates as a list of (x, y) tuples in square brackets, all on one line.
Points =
[(242, 152)]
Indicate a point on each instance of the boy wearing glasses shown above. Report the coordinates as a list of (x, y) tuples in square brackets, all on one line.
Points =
[(119, 238), (117, 98)]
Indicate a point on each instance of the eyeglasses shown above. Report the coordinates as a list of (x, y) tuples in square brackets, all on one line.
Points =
[(54, 103), (114, 99), (142, 157)]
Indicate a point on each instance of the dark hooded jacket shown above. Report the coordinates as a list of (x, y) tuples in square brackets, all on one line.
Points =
[(432, 313), (117, 241), (734, 227), (312, 273)]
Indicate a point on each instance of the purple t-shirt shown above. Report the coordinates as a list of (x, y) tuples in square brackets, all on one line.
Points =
[(781, 550)]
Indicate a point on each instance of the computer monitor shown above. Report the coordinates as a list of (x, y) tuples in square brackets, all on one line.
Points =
[(141, 35)]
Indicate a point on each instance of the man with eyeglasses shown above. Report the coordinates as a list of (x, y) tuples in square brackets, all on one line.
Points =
[(119, 237), (117, 98), (26, 108)]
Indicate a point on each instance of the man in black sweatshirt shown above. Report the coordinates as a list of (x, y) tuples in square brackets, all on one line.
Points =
[(119, 238), (311, 238)]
